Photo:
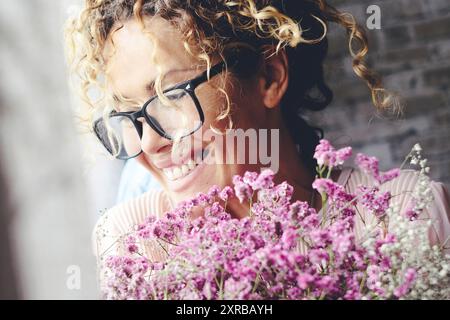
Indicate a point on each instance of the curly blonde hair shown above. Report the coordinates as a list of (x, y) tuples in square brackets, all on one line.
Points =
[(225, 27)]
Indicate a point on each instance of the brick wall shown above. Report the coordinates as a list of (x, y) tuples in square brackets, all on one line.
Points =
[(412, 53)]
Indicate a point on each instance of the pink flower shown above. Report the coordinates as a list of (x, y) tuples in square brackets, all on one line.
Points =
[(409, 278), (304, 280), (367, 164), (324, 151), (326, 155), (389, 175), (410, 212), (250, 178), (289, 238), (213, 191), (342, 155), (318, 256), (215, 256), (242, 192), (130, 242), (324, 185), (373, 280), (370, 166), (226, 193), (241, 189), (335, 191), (320, 238), (342, 244), (373, 200), (264, 180)]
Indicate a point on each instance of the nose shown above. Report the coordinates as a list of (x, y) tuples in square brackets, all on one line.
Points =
[(152, 142)]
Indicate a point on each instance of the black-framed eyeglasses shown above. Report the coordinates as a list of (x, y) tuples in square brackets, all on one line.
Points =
[(179, 116)]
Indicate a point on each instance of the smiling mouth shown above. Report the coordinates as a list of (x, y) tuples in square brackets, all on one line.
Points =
[(177, 172)]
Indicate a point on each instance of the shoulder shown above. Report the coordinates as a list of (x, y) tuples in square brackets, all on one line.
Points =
[(123, 218), (406, 181), (400, 187), (403, 187), (406, 186)]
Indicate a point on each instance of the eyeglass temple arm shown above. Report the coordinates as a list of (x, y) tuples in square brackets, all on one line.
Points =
[(215, 70)]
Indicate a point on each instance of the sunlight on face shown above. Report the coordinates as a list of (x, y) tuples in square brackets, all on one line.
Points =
[(134, 61)]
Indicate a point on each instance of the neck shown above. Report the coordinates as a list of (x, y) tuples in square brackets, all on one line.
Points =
[(291, 169)]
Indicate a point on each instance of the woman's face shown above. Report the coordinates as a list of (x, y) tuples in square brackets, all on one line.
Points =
[(130, 70)]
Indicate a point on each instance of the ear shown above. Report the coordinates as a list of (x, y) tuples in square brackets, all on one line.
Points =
[(274, 77)]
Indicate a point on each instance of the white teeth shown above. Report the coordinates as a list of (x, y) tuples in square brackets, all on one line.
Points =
[(168, 173), (174, 173), (199, 157), (202, 156), (191, 164), (177, 172)]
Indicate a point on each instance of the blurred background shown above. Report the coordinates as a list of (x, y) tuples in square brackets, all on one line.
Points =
[(54, 183)]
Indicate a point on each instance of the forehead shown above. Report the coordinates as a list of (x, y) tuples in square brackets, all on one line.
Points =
[(129, 54)]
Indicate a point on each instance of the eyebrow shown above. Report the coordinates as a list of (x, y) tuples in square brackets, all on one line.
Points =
[(150, 86)]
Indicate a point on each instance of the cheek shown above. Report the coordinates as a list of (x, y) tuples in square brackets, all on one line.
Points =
[(242, 101), (143, 161), (249, 110)]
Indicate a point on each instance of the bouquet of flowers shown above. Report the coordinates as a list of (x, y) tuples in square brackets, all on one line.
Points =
[(284, 249)]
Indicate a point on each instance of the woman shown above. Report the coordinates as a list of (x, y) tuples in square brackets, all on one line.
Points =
[(169, 69)]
